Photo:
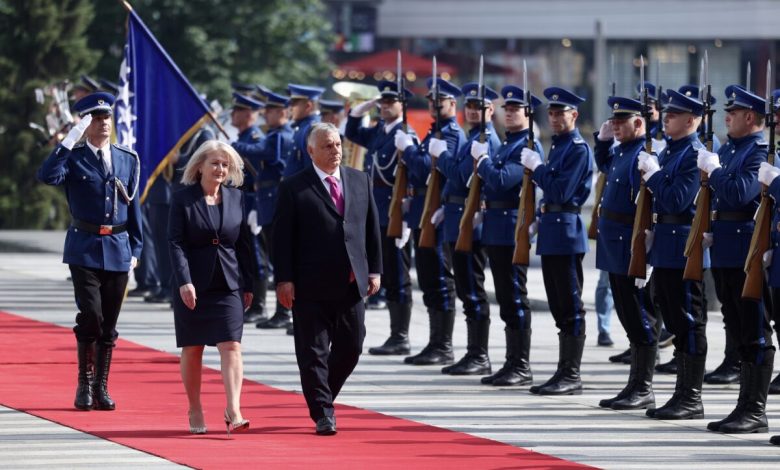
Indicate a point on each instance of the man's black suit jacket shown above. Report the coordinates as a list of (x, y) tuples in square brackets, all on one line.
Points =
[(196, 245), (316, 248)]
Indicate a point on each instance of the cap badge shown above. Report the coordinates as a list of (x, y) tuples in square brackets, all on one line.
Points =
[(101, 102), (555, 97), (509, 95), (616, 106)]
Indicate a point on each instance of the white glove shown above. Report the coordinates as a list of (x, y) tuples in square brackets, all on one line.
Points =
[(605, 131), (707, 161), (402, 140), (437, 217), (649, 237), (436, 147), (658, 146), (639, 282), (533, 229), (478, 150), (405, 233), (707, 240), (477, 221), (530, 159), (767, 173), (648, 164), (75, 134), (251, 220), (134, 262), (363, 108), (766, 259)]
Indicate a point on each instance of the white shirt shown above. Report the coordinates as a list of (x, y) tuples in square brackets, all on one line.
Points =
[(106, 155), (390, 125), (336, 174)]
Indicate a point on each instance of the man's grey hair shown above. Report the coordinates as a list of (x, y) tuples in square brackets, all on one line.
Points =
[(318, 129)]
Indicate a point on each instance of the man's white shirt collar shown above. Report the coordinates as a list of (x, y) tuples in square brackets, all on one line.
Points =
[(106, 153), (389, 126)]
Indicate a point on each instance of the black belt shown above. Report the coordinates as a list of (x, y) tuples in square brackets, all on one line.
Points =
[(551, 208), (455, 200), (678, 219), (731, 216), (502, 204), (626, 219), (266, 184), (418, 191), (381, 183), (98, 229)]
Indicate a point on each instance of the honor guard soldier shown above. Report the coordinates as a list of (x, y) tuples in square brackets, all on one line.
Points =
[(381, 163), (303, 112), (736, 193), (655, 107), (267, 156), (673, 180), (104, 240), (694, 92), (617, 209), (502, 178), (434, 265), (243, 116), (469, 267), (333, 112), (562, 241)]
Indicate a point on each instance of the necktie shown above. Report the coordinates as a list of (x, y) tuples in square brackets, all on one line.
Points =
[(335, 194), (106, 164)]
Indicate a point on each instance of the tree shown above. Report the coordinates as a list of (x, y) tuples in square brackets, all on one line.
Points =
[(41, 42)]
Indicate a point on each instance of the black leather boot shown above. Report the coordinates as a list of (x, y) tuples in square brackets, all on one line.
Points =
[(622, 358), (775, 440), (640, 395), (566, 380), (85, 352), (441, 350), (607, 402), (398, 342), (751, 416), (256, 311), (517, 369), (774, 386), (688, 404), (728, 370), (476, 360), (433, 327), (668, 367), (103, 400)]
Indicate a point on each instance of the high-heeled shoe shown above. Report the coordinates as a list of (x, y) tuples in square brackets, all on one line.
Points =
[(235, 426), (195, 429)]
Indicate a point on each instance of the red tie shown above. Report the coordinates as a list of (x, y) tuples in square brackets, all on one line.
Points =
[(335, 194)]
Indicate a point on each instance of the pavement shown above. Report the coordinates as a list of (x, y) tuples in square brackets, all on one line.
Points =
[(33, 284)]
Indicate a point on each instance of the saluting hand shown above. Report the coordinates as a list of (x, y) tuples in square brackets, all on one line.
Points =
[(75, 134), (285, 293), (188, 296)]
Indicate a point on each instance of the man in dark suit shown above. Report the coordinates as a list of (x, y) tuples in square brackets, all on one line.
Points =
[(327, 248)]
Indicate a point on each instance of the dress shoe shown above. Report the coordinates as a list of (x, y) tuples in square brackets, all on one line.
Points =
[(622, 358), (326, 426), (775, 440), (290, 331), (665, 338), (605, 340), (668, 367), (254, 315), (159, 297), (279, 320), (141, 292)]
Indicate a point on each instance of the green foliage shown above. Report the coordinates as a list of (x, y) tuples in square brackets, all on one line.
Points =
[(41, 42)]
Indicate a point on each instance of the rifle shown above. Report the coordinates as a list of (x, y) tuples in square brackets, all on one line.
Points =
[(637, 267), (395, 211), (466, 229), (526, 213), (433, 194), (694, 251), (593, 228), (659, 129), (760, 241)]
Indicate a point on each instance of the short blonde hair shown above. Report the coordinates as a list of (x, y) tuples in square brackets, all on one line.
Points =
[(235, 168)]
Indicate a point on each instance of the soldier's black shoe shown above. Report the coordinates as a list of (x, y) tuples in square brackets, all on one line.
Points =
[(726, 373), (392, 347), (665, 339), (279, 320), (686, 401), (476, 360), (102, 399), (141, 292), (425, 351), (568, 380), (622, 357), (433, 320), (435, 356), (640, 390), (162, 296), (516, 370), (775, 440), (605, 340), (774, 386), (753, 387), (84, 401), (668, 367), (255, 314), (469, 365), (607, 402), (398, 342)]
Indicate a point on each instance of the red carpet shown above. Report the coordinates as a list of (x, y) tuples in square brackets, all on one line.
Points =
[(38, 373)]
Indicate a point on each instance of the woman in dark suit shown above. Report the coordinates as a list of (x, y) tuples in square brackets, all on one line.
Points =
[(210, 251)]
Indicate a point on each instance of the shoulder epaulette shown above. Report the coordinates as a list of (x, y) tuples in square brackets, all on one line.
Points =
[(125, 149), (762, 143), (79, 145), (578, 140)]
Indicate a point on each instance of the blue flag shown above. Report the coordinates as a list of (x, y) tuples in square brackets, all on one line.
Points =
[(157, 109)]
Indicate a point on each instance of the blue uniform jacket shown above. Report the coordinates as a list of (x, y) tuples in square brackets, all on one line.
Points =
[(674, 188), (458, 168), (298, 158), (774, 268), (565, 180), (267, 156), (619, 163), (380, 161), (250, 135), (91, 198), (502, 181), (735, 188), (418, 164)]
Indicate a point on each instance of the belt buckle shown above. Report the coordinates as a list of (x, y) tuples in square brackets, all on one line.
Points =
[(543, 209), (714, 215), (215, 241), (655, 217), (106, 230)]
